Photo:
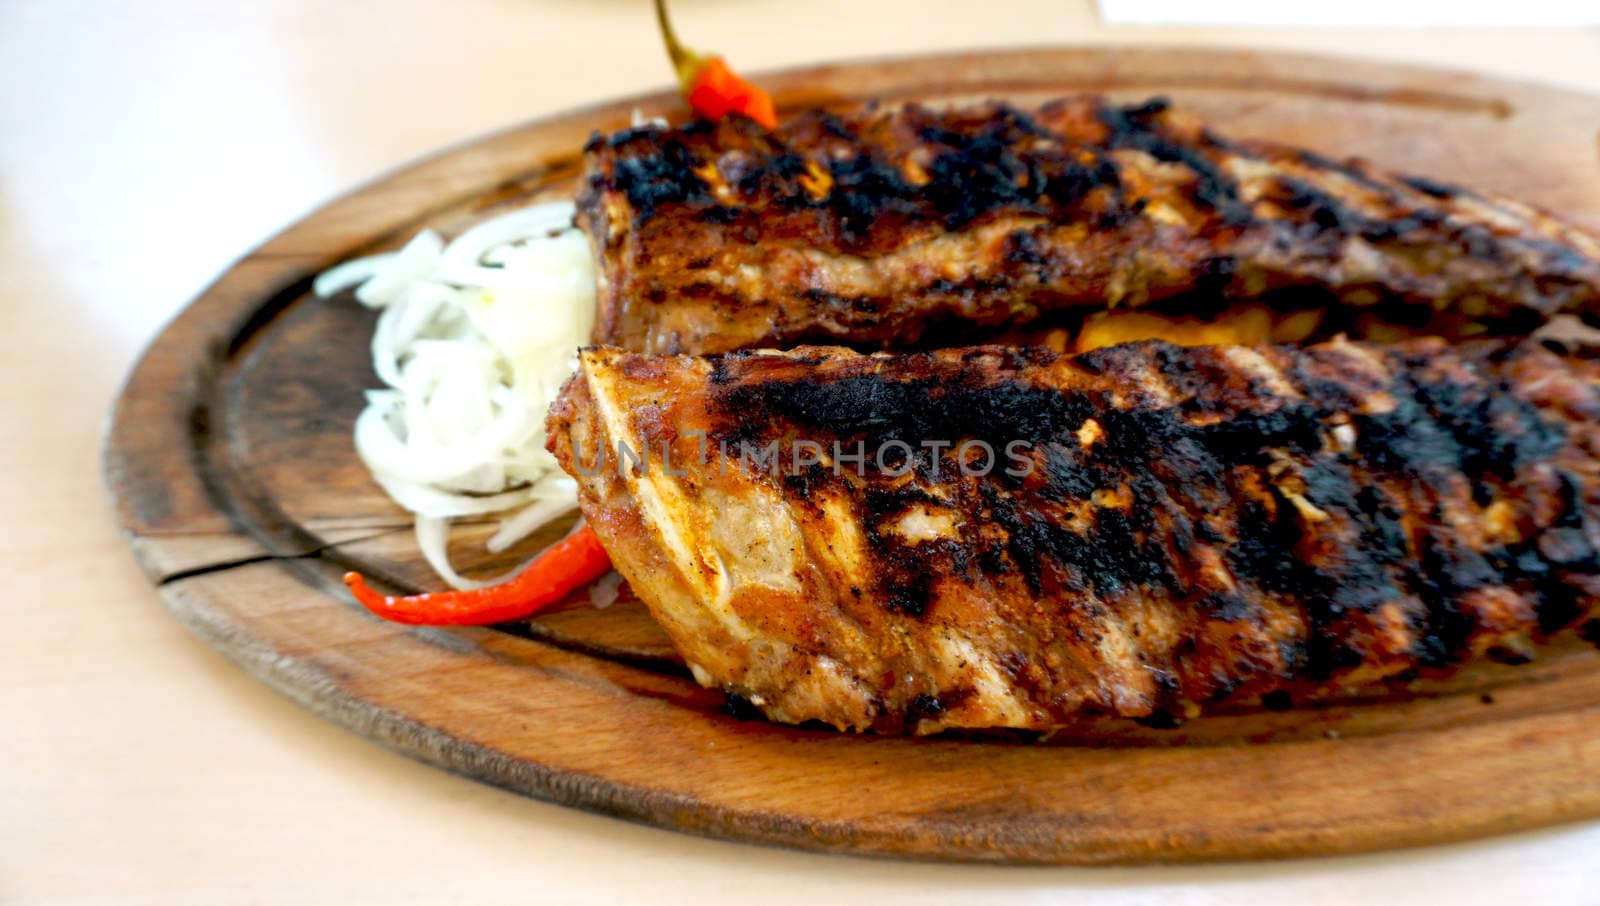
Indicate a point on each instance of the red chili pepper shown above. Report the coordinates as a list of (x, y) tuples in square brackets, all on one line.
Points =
[(564, 567), (712, 89), (717, 91)]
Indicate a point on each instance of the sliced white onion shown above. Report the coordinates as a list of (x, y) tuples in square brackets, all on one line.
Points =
[(426, 500), (356, 271), (530, 519), (411, 263), (603, 593), (474, 339), (462, 262), (654, 122), (433, 538)]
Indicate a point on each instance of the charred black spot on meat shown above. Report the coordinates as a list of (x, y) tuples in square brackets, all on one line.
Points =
[(1509, 657), (1325, 209), (1477, 241), (932, 707), (1279, 700), (1136, 128), (1215, 274), (804, 480), (1444, 427), (1150, 108), (1445, 573), (1348, 169), (1023, 247), (1568, 548), (1229, 607), (1160, 720), (923, 707), (976, 172), (865, 190), (950, 407), (721, 214), (643, 135), (1066, 474), (836, 301), (738, 706), (1066, 185), (908, 597), (1590, 632), (657, 180), (905, 585), (1432, 187), (1263, 551)]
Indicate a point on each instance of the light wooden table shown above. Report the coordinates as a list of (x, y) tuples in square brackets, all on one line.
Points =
[(145, 144)]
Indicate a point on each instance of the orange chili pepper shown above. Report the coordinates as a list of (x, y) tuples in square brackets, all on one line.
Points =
[(712, 89), (564, 567)]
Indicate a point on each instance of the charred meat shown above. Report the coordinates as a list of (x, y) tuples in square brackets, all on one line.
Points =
[(873, 227), (1008, 537)]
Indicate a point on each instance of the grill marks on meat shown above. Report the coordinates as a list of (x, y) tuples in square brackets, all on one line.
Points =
[(868, 227), (1176, 526), (1198, 524)]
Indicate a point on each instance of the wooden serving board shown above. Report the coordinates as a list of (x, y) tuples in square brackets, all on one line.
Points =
[(230, 460)]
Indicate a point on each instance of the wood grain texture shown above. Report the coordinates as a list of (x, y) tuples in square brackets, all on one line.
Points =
[(230, 462)]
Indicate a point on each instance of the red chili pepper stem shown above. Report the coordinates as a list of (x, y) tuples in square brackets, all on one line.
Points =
[(684, 60), (564, 567), (712, 89)]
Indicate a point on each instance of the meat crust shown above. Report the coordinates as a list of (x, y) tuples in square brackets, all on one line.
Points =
[(872, 227), (1194, 525)]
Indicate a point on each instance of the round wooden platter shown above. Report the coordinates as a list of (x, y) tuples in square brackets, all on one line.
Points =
[(230, 459)]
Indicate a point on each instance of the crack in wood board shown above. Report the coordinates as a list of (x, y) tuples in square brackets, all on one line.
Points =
[(224, 565)]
